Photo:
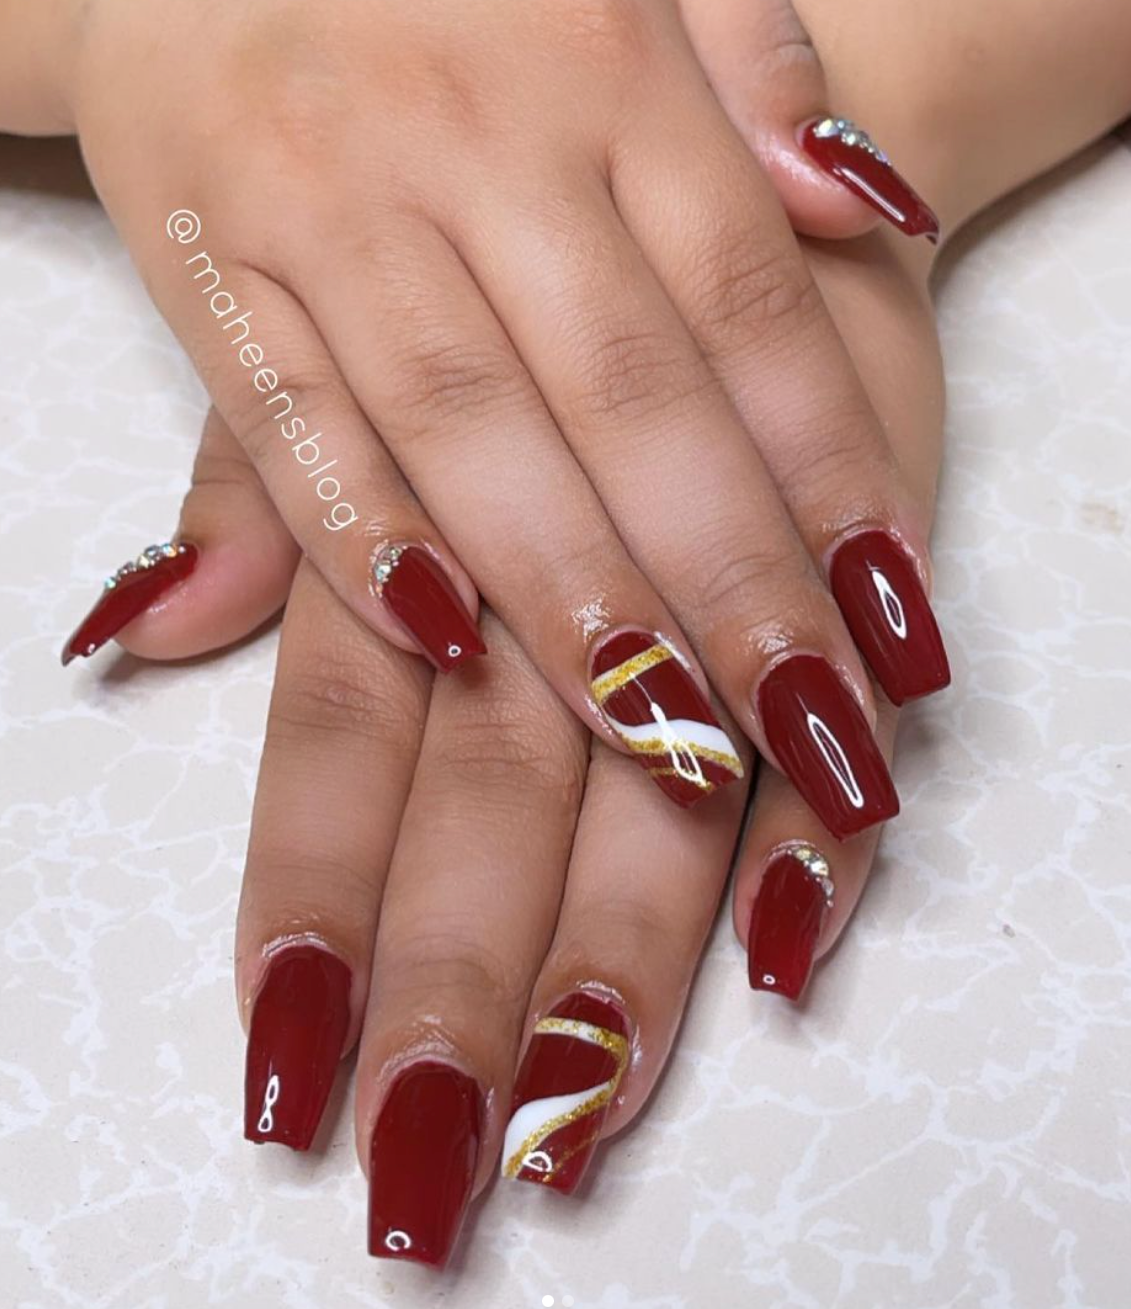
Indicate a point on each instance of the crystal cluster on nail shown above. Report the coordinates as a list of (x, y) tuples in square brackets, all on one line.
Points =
[(850, 134)]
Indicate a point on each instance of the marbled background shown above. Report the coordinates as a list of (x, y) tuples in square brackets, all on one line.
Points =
[(946, 1125)]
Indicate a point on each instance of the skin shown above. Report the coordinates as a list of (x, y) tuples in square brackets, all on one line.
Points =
[(396, 863)]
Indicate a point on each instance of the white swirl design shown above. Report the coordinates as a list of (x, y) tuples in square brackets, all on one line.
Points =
[(270, 1098)]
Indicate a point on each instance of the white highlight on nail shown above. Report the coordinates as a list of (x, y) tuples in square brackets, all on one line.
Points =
[(833, 753), (891, 604)]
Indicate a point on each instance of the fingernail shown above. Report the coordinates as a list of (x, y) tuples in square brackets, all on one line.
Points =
[(848, 154), (889, 616), (823, 743), (130, 592), (653, 704), (298, 1028), (571, 1071), (420, 595), (422, 1163), (785, 923)]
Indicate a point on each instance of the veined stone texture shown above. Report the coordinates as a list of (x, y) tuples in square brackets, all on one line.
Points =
[(945, 1125)]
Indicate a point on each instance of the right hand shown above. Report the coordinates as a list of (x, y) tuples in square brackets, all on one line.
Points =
[(516, 261)]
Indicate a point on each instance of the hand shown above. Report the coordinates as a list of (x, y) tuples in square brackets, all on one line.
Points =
[(564, 317), (435, 871)]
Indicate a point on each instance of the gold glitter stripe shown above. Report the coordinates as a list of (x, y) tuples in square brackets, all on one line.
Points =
[(612, 681), (615, 1044), (654, 746)]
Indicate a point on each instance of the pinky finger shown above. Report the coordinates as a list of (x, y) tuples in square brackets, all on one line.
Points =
[(796, 887), (227, 569)]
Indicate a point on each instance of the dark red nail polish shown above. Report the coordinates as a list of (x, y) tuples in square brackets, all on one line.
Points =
[(822, 742), (887, 612), (422, 1163), (653, 704), (841, 149), (569, 1076), (786, 920), (421, 596), (130, 592), (298, 1028)]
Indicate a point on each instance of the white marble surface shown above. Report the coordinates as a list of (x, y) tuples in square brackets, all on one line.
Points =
[(947, 1123)]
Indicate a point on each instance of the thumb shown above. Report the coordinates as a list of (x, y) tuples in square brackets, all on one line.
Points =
[(833, 180), (227, 570)]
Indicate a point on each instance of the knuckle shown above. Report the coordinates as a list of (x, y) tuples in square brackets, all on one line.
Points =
[(337, 697), (441, 956), (516, 746), (747, 290), (630, 375), (836, 456), (440, 380), (746, 583)]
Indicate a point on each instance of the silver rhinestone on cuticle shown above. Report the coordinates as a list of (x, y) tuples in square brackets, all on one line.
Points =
[(817, 866), (151, 555), (386, 562), (851, 135)]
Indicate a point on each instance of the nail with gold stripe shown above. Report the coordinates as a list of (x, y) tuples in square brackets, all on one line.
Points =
[(652, 702), (573, 1066)]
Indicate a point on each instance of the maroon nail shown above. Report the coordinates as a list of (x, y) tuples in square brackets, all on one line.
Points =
[(841, 149), (822, 742), (420, 595), (569, 1076), (130, 592), (422, 1163), (887, 612), (785, 923), (653, 704), (298, 1028)]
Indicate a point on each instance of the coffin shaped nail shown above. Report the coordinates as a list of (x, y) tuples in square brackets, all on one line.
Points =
[(129, 592), (422, 1162), (653, 704), (850, 155), (298, 1027), (822, 741), (789, 911), (420, 595), (889, 616), (569, 1076)]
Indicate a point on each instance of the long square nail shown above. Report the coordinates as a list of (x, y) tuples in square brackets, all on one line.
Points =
[(564, 1089), (653, 704), (422, 1162), (298, 1026)]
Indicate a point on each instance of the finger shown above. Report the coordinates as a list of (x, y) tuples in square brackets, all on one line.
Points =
[(795, 888), (440, 377), (467, 915), (327, 471), (343, 731), (831, 178), (227, 570), (641, 895), (694, 504), (748, 296)]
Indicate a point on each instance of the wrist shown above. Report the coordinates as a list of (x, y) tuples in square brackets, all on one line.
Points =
[(38, 43)]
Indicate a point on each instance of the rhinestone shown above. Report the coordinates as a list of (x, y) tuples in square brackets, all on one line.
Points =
[(383, 572), (826, 127)]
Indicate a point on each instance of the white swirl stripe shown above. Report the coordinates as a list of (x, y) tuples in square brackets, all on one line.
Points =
[(833, 753), (270, 1098), (675, 730)]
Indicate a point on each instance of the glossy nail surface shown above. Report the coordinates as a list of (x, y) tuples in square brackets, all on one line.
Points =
[(420, 595), (889, 616), (422, 1162), (653, 704), (129, 593), (569, 1076), (785, 923), (841, 149), (298, 1027), (822, 741)]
